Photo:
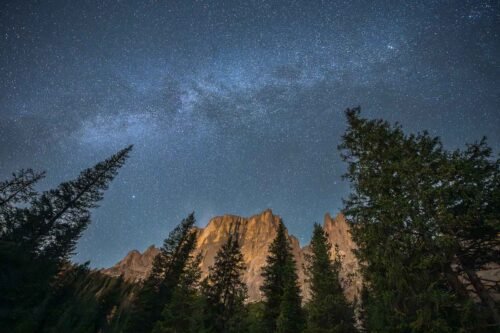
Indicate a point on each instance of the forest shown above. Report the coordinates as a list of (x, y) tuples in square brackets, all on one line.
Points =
[(425, 220)]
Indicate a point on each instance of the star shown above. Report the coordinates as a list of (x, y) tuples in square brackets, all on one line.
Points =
[(233, 109)]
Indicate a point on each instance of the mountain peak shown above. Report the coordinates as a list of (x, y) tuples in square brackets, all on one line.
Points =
[(328, 216), (267, 211), (256, 234), (135, 265)]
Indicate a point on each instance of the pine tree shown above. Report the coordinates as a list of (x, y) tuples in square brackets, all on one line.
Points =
[(181, 314), (169, 267), (224, 288), (38, 236), (290, 318), (19, 188), (55, 220), (406, 206), (327, 309), (280, 275)]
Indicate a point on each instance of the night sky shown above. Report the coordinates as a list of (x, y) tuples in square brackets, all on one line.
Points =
[(233, 106)]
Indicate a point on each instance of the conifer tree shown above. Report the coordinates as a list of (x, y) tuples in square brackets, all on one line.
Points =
[(19, 188), (182, 313), (327, 309), (38, 237), (290, 318), (224, 288), (408, 202), (50, 227), (280, 287), (169, 268), (255, 313)]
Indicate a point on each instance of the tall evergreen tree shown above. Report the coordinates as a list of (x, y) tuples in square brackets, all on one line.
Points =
[(51, 225), (291, 317), (182, 313), (169, 267), (38, 237), (327, 310), (280, 287), (408, 198), (224, 288)]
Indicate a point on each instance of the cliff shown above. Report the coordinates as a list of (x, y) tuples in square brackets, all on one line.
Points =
[(256, 234)]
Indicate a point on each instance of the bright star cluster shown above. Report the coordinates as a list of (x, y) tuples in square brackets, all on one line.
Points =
[(233, 106)]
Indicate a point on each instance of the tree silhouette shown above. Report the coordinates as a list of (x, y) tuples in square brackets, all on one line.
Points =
[(327, 309), (169, 268), (280, 287), (38, 237), (224, 288)]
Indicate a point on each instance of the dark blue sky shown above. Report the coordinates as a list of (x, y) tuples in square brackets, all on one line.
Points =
[(233, 106)]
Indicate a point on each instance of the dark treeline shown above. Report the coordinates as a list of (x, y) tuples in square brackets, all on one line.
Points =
[(425, 220)]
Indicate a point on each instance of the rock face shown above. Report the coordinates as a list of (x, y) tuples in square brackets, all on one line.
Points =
[(135, 266), (256, 234), (339, 234)]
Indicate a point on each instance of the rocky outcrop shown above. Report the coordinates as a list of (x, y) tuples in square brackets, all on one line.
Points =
[(135, 266), (339, 235), (255, 234)]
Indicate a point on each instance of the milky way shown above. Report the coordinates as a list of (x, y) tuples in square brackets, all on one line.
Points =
[(232, 108)]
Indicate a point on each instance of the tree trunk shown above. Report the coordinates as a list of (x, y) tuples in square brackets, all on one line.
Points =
[(483, 294), (455, 282)]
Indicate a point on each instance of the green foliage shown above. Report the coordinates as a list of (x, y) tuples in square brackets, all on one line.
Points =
[(280, 287), (255, 314), (408, 198), (327, 309), (224, 289), (290, 317), (167, 274), (183, 313)]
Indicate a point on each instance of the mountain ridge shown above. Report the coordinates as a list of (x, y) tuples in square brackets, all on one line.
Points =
[(256, 234)]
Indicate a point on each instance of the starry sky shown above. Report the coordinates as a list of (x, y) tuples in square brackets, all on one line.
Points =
[(233, 106)]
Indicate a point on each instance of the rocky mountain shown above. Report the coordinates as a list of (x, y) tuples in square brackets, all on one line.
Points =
[(135, 266), (339, 234), (256, 234)]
